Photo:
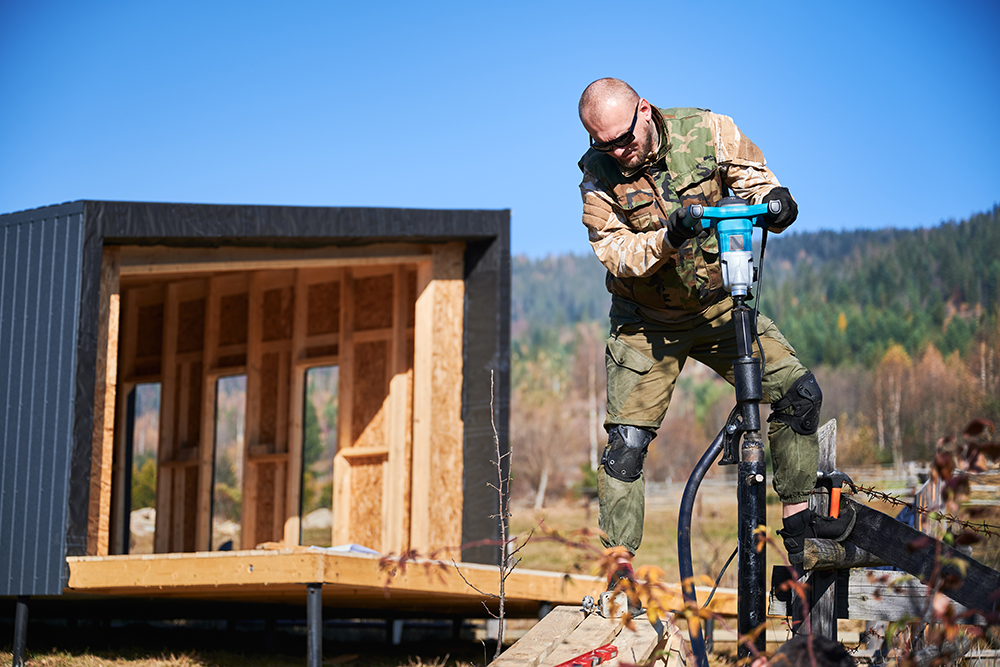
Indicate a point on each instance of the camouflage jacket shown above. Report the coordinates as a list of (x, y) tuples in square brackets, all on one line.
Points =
[(702, 156)]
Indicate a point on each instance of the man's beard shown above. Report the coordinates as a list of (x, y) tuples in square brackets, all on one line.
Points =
[(638, 158)]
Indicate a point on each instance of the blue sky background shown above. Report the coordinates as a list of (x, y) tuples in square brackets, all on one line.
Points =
[(873, 113)]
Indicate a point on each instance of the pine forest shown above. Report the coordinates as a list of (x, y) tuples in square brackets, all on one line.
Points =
[(900, 327)]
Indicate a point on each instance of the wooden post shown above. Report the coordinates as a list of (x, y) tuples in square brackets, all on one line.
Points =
[(206, 451), (823, 583), (99, 514), (166, 448), (296, 405), (397, 492), (345, 414), (438, 432)]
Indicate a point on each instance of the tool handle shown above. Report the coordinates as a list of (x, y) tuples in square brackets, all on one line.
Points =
[(697, 211), (835, 502)]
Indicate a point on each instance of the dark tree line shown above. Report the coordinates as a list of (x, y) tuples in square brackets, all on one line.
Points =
[(901, 326)]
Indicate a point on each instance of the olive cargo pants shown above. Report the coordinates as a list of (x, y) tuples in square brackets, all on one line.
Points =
[(643, 364)]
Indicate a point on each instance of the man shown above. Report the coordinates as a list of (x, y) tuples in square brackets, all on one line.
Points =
[(644, 167)]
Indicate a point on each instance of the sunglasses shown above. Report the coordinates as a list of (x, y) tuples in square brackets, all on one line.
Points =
[(619, 142)]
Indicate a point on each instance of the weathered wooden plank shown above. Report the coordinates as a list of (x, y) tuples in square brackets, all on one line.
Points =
[(635, 644), (594, 631), (925, 558), (538, 642), (827, 555), (881, 595), (823, 583)]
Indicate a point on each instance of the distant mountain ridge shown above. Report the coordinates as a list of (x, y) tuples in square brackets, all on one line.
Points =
[(840, 297)]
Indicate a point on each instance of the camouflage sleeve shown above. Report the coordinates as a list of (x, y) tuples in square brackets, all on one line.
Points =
[(743, 166), (623, 251)]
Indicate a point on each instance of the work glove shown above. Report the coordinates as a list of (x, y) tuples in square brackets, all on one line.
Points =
[(789, 210), (677, 231)]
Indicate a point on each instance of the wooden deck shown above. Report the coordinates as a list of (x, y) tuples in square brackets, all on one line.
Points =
[(350, 581)]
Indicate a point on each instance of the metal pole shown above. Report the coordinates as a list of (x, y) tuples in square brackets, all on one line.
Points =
[(752, 564), (314, 625), (20, 630), (750, 489)]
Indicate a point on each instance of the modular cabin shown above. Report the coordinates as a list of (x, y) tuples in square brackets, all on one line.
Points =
[(224, 402)]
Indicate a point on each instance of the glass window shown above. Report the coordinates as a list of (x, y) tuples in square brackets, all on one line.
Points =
[(319, 444), (227, 475)]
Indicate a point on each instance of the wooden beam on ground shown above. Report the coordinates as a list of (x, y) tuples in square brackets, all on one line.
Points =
[(593, 632), (543, 638), (926, 558), (566, 633), (102, 449)]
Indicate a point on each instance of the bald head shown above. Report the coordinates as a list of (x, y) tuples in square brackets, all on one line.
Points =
[(619, 122), (605, 95)]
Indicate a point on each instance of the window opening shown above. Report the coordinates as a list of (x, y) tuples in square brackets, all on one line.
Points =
[(319, 444), (227, 471), (144, 435)]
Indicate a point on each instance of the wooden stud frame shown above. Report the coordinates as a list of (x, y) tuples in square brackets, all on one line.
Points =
[(398, 467)]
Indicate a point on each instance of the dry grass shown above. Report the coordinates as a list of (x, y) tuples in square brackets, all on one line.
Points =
[(713, 533)]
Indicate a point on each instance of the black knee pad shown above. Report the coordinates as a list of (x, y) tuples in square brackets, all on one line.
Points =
[(626, 452), (805, 400)]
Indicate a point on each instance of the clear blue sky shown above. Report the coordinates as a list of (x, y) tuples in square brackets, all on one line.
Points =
[(890, 107)]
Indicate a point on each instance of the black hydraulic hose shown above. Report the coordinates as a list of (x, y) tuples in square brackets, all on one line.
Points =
[(756, 301), (684, 540)]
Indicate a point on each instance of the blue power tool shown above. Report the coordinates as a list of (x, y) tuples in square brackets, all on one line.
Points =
[(733, 220)]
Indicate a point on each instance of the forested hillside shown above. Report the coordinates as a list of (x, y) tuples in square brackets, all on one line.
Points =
[(900, 326)]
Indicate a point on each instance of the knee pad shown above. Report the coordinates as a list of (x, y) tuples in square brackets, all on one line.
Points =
[(626, 452), (805, 399)]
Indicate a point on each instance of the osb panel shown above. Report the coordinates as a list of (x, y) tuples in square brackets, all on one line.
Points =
[(232, 360), (278, 306), (269, 398), (322, 351), (190, 325), (371, 387), (149, 334), (190, 508), (324, 308), (195, 385), (265, 503), (147, 366), (366, 506), (373, 303), (233, 314), (411, 298), (447, 452)]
